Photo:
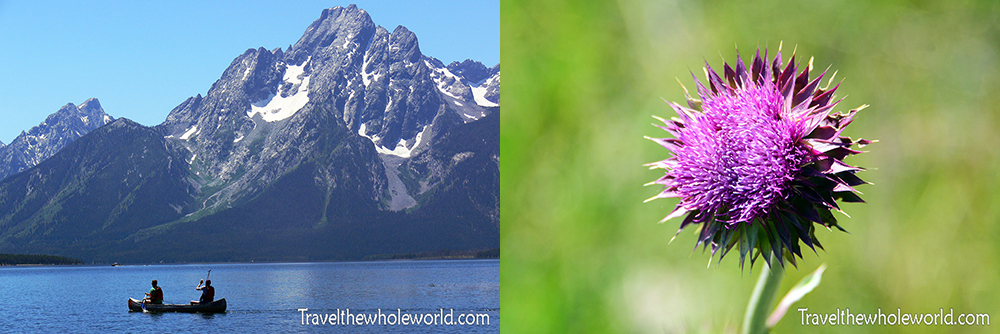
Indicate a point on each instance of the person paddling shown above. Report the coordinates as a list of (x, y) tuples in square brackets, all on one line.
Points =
[(207, 292), (155, 295)]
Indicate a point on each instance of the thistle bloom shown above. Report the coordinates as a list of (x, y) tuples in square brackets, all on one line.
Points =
[(758, 159)]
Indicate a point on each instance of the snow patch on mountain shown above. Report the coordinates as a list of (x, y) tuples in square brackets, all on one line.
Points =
[(479, 92), (369, 77), (347, 41), (403, 148), (277, 107), (190, 132), (473, 117), (444, 79)]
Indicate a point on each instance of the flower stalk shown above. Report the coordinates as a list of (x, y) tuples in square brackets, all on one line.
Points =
[(755, 319)]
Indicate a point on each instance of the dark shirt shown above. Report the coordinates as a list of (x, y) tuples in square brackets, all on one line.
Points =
[(207, 294)]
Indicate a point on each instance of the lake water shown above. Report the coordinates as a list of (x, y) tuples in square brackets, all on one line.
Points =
[(262, 298)]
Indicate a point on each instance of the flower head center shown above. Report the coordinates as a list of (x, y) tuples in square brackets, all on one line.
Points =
[(742, 153)]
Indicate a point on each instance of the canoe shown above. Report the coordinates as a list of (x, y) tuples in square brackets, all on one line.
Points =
[(218, 306)]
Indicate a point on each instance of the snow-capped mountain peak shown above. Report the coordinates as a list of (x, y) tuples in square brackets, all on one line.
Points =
[(261, 116), (467, 85), (58, 130)]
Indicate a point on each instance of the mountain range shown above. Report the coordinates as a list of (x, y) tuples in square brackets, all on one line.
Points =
[(348, 144)]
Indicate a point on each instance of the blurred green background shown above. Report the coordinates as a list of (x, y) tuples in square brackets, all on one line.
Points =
[(582, 253)]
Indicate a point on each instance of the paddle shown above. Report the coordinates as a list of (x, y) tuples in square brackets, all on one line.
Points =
[(206, 276), (209, 274)]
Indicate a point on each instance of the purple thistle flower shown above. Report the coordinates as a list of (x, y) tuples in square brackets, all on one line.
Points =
[(758, 159)]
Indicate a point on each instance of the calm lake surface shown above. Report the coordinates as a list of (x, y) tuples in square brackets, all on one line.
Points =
[(262, 298)]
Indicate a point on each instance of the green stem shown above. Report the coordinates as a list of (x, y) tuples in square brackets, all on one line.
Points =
[(763, 296)]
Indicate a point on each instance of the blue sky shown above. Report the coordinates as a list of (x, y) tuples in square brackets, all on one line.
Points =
[(143, 58)]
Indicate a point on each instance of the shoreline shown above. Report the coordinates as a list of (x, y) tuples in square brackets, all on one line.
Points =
[(470, 254)]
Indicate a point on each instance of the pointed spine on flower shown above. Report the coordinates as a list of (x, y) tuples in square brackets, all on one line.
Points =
[(758, 159)]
